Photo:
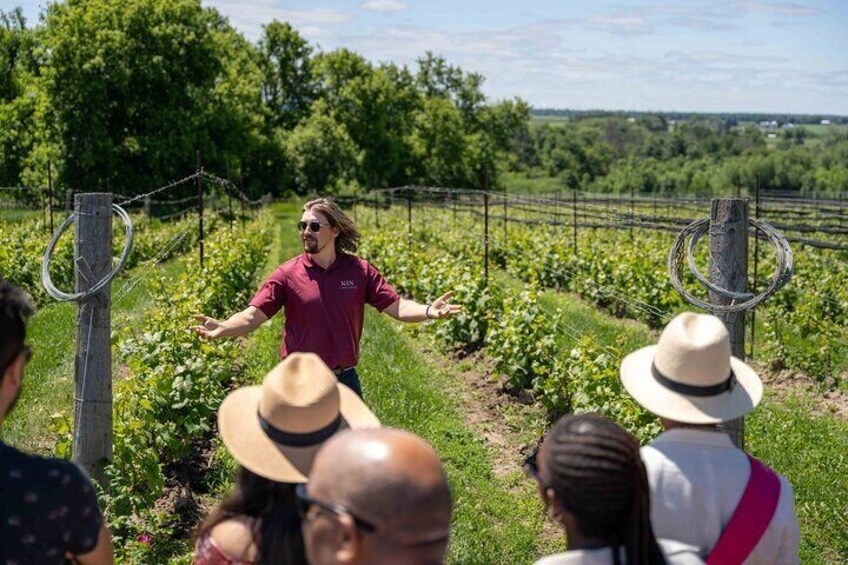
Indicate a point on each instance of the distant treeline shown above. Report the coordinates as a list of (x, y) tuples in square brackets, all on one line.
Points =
[(120, 96), (650, 154), (730, 118)]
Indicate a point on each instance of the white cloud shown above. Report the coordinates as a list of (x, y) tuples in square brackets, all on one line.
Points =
[(248, 16), (783, 9), (384, 6), (549, 64)]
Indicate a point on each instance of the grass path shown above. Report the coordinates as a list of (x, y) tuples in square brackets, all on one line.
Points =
[(498, 517)]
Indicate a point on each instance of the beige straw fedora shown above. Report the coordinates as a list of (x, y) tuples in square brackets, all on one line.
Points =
[(690, 375), (275, 429)]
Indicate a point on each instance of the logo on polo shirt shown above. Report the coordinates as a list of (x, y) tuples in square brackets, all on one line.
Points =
[(348, 285)]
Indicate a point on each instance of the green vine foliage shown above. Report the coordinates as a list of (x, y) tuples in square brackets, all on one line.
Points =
[(522, 341), (172, 383), (804, 326), (24, 244)]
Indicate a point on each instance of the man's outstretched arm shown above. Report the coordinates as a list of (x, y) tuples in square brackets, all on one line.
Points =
[(237, 325), (411, 311)]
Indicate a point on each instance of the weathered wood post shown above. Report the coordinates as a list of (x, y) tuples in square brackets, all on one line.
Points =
[(505, 218), (92, 441), (199, 183), (756, 265), (229, 190), (242, 198), (729, 270), (632, 212), (574, 217), (486, 225), (409, 213)]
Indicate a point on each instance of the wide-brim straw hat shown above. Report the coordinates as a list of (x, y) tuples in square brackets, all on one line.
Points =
[(690, 375), (275, 429)]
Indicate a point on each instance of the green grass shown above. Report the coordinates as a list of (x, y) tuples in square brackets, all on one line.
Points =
[(495, 520)]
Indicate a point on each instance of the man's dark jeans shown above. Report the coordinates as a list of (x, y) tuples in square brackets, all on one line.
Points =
[(351, 379)]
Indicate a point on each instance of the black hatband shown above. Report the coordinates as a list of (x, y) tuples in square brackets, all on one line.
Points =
[(693, 390), (299, 440)]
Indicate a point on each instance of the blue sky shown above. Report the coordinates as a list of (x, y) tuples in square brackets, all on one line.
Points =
[(761, 56)]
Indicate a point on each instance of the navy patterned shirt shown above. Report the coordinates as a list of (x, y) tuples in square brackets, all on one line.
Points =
[(48, 508)]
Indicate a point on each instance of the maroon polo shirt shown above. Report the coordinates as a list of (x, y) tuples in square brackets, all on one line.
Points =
[(324, 308)]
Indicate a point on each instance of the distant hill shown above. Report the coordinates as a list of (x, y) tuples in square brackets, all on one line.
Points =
[(732, 117)]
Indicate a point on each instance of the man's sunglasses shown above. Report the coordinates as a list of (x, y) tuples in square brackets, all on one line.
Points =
[(304, 502), (313, 226)]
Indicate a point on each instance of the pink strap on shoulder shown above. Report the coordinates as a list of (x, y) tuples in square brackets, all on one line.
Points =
[(750, 519)]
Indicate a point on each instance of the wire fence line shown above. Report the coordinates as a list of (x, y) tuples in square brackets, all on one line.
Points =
[(617, 218)]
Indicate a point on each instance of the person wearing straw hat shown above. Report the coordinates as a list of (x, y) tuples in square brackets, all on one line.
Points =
[(705, 491), (323, 292), (274, 431)]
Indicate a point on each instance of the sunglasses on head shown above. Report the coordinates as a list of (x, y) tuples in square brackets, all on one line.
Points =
[(313, 226)]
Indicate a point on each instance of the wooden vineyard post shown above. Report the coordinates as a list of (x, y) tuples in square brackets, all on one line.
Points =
[(199, 183), (486, 226), (574, 217), (505, 218), (729, 270), (92, 441), (409, 213)]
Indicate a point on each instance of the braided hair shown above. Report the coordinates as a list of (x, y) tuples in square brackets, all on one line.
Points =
[(595, 471)]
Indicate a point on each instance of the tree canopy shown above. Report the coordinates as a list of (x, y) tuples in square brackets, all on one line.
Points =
[(121, 95)]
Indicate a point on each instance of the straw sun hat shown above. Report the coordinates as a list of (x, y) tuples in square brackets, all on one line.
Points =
[(690, 375), (275, 429)]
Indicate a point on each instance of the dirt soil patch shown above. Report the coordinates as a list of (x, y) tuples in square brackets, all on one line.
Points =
[(826, 400), (510, 423)]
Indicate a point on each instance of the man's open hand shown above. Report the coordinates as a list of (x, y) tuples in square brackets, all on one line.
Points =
[(209, 328), (441, 309)]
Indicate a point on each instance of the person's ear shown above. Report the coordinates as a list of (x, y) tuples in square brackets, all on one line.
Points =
[(350, 548), (15, 372), (555, 507)]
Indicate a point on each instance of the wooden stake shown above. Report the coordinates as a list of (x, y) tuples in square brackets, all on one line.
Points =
[(729, 270), (92, 442)]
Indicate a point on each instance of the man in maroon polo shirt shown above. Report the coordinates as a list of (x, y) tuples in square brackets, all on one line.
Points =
[(324, 292)]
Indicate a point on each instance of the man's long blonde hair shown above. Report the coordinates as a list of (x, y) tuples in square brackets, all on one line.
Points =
[(349, 237)]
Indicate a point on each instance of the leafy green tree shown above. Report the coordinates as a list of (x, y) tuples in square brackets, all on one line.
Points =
[(322, 154), (138, 87), (287, 88), (443, 153)]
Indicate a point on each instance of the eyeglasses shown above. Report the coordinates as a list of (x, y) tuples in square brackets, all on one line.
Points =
[(313, 226), (531, 466), (304, 502)]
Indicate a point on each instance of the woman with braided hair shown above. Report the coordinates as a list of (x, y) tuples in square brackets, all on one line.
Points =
[(593, 482)]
